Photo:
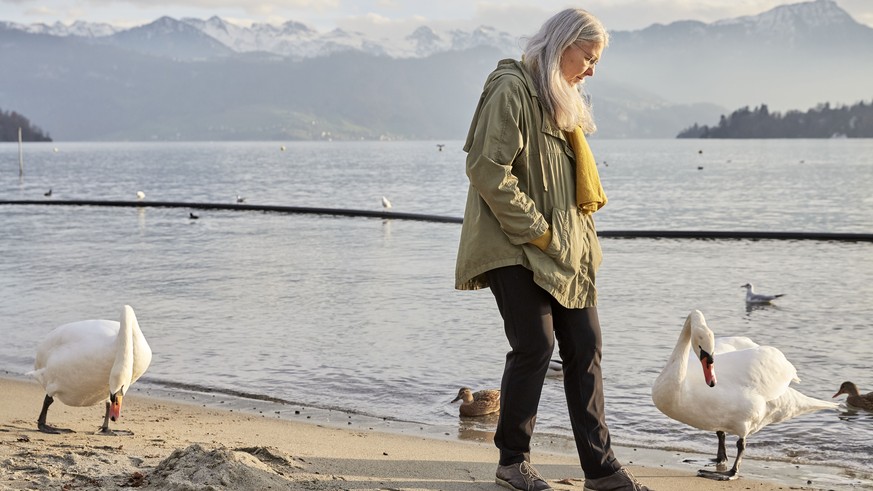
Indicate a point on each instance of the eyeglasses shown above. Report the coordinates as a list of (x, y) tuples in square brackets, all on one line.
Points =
[(590, 60)]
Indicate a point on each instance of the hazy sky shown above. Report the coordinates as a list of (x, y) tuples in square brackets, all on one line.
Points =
[(390, 16)]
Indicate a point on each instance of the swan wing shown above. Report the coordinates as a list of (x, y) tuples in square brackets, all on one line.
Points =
[(733, 343), (748, 379)]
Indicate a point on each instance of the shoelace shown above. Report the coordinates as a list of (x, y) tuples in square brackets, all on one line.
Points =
[(529, 474), (637, 485)]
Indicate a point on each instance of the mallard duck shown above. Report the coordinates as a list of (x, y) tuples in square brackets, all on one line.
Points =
[(758, 298), (87, 362), (556, 368), (478, 403), (752, 391), (856, 399)]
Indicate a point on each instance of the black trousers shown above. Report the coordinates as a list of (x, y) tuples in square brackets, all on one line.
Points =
[(532, 320)]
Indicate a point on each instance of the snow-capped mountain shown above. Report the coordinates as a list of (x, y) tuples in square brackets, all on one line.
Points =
[(78, 28), (787, 20), (212, 79), (291, 39), (298, 41)]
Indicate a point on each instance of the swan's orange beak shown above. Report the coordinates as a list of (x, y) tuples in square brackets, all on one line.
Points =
[(115, 407), (708, 368)]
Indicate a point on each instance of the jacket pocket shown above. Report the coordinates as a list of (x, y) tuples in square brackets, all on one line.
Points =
[(568, 240), (560, 264)]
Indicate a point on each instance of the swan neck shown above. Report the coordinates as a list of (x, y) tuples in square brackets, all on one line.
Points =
[(122, 369), (679, 358)]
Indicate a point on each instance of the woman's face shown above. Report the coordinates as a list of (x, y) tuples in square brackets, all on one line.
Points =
[(578, 60)]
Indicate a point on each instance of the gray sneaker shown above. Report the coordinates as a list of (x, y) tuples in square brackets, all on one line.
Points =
[(622, 480), (521, 477)]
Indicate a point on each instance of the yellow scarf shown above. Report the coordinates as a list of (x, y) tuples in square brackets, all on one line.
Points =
[(589, 193)]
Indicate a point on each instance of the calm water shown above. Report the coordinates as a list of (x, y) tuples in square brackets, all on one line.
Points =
[(360, 314)]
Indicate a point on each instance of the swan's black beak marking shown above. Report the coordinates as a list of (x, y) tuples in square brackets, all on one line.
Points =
[(708, 362)]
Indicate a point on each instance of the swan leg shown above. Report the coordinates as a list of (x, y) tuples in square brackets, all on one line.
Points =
[(733, 473), (43, 427), (104, 430), (721, 456)]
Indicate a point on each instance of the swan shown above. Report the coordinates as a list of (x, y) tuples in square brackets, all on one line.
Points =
[(760, 298), (856, 399), (86, 362), (478, 403), (752, 392)]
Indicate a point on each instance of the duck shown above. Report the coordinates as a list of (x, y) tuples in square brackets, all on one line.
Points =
[(856, 399), (758, 298), (478, 403), (752, 390), (556, 368), (87, 362)]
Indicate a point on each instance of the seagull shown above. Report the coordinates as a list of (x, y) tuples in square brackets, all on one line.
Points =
[(385, 202), (752, 392), (47, 193), (240, 199), (88, 362), (752, 297), (440, 146), (192, 216), (140, 195)]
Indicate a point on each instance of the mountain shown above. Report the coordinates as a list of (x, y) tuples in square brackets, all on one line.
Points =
[(793, 56), (211, 79), (170, 38)]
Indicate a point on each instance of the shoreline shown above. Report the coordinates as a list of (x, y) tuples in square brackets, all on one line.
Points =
[(248, 444)]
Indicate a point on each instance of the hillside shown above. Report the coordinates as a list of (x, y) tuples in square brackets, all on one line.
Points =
[(822, 121), (11, 121)]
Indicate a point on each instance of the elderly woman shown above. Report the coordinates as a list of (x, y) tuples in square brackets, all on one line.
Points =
[(528, 234)]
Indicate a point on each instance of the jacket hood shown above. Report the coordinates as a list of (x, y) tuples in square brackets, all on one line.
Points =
[(515, 68)]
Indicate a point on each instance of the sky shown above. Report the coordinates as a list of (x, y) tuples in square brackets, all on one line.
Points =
[(517, 17)]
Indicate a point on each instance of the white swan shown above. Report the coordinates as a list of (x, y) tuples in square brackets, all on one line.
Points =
[(752, 392), (86, 362)]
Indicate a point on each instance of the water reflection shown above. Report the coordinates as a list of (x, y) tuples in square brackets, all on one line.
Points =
[(753, 307), (480, 428)]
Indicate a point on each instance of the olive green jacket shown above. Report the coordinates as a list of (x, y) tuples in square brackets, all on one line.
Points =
[(522, 184)]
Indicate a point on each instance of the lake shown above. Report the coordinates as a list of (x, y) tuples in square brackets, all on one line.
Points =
[(360, 315)]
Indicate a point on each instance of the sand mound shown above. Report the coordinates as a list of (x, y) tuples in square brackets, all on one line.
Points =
[(198, 469)]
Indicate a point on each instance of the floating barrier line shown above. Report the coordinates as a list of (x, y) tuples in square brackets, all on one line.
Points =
[(386, 214)]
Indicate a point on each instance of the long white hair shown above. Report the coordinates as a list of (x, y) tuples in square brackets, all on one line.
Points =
[(542, 56)]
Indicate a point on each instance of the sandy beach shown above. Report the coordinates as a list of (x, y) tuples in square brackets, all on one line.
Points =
[(192, 446)]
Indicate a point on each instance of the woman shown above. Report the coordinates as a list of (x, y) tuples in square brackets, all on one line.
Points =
[(528, 234)]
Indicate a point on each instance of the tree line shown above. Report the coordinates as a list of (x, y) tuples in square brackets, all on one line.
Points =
[(822, 121), (10, 121)]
